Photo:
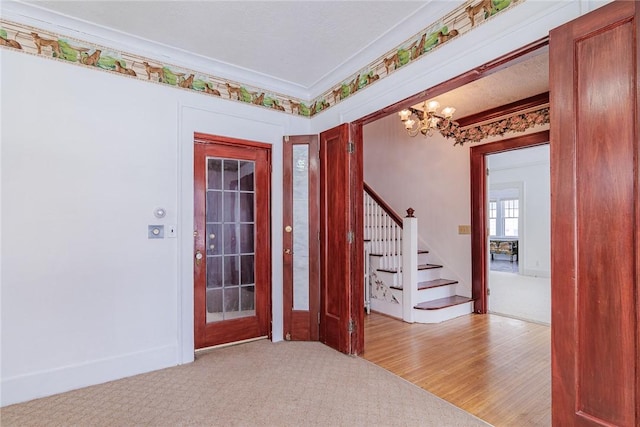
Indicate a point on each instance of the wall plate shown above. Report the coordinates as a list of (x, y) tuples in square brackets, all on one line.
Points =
[(156, 232)]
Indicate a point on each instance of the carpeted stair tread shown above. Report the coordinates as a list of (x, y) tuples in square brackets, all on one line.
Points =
[(435, 283), (443, 303)]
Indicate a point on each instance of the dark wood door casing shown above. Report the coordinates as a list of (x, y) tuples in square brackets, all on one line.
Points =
[(595, 211), (302, 324), (479, 221), (226, 331)]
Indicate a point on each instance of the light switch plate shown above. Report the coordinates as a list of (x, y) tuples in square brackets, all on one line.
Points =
[(156, 232)]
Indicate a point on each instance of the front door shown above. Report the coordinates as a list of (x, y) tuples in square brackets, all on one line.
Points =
[(232, 274)]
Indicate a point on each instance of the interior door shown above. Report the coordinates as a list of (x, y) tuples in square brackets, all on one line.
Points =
[(341, 257), (232, 273), (595, 224), (301, 200)]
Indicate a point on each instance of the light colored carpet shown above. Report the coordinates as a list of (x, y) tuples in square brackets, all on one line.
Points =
[(254, 384), (522, 297)]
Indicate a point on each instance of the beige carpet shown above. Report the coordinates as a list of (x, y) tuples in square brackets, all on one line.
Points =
[(255, 384)]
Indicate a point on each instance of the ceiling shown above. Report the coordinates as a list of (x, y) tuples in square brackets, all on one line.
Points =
[(298, 42), (294, 41)]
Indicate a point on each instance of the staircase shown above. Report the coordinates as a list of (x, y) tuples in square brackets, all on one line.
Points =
[(432, 298)]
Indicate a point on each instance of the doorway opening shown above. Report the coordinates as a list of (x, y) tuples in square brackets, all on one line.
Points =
[(518, 222)]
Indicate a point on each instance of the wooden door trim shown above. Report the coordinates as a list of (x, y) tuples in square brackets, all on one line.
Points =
[(302, 325), (478, 209), (357, 253), (233, 147), (205, 138), (474, 74)]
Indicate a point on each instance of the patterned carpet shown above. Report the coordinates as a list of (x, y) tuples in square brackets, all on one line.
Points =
[(254, 384)]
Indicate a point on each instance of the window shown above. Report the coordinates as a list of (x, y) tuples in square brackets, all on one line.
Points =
[(503, 217), (510, 217), (493, 217)]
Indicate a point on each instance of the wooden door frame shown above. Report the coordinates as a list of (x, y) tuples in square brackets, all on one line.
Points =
[(500, 63), (478, 178), (203, 139)]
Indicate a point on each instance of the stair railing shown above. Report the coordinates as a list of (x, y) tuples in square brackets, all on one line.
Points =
[(382, 229)]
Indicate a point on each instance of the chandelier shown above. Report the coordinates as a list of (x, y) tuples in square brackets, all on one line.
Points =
[(428, 120)]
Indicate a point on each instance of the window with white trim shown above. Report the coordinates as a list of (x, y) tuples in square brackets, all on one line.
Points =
[(503, 217)]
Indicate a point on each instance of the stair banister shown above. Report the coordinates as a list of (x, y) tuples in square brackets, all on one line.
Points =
[(409, 266), (383, 229)]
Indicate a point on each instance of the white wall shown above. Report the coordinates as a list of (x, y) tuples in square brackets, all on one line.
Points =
[(431, 176), (86, 158), (530, 167)]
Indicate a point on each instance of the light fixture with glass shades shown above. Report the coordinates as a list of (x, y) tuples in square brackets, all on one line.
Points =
[(426, 121)]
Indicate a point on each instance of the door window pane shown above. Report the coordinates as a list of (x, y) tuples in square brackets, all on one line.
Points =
[(214, 272), (230, 176), (246, 207), (231, 271), (230, 236), (247, 298), (301, 227), (247, 269), (230, 207), (214, 174), (214, 206), (246, 242), (231, 300), (246, 176), (214, 239)]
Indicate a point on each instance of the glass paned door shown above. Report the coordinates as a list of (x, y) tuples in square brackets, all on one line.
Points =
[(232, 272), (301, 237)]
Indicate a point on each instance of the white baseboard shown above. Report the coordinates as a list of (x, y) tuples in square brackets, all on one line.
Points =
[(34, 385), (536, 273)]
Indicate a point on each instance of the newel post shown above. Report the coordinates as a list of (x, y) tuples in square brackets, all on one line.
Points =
[(409, 265)]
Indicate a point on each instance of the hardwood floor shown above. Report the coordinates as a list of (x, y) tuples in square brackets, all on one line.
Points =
[(497, 368)]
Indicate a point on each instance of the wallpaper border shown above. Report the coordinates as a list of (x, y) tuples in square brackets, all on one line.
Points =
[(71, 50)]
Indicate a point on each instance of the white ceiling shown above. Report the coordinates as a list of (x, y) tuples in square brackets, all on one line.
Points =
[(295, 41), (300, 43)]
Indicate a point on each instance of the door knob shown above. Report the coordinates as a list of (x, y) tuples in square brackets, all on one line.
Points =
[(198, 257), (288, 251), (288, 229)]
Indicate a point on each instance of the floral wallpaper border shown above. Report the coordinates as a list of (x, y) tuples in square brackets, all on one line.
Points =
[(516, 123), (60, 47)]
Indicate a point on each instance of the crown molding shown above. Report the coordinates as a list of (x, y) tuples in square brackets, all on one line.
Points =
[(32, 15), (411, 26)]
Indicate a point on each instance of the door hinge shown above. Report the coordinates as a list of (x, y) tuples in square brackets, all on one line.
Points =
[(350, 237), (487, 171), (351, 147), (286, 138), (488, 291), (352, 326), (318, 318)]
